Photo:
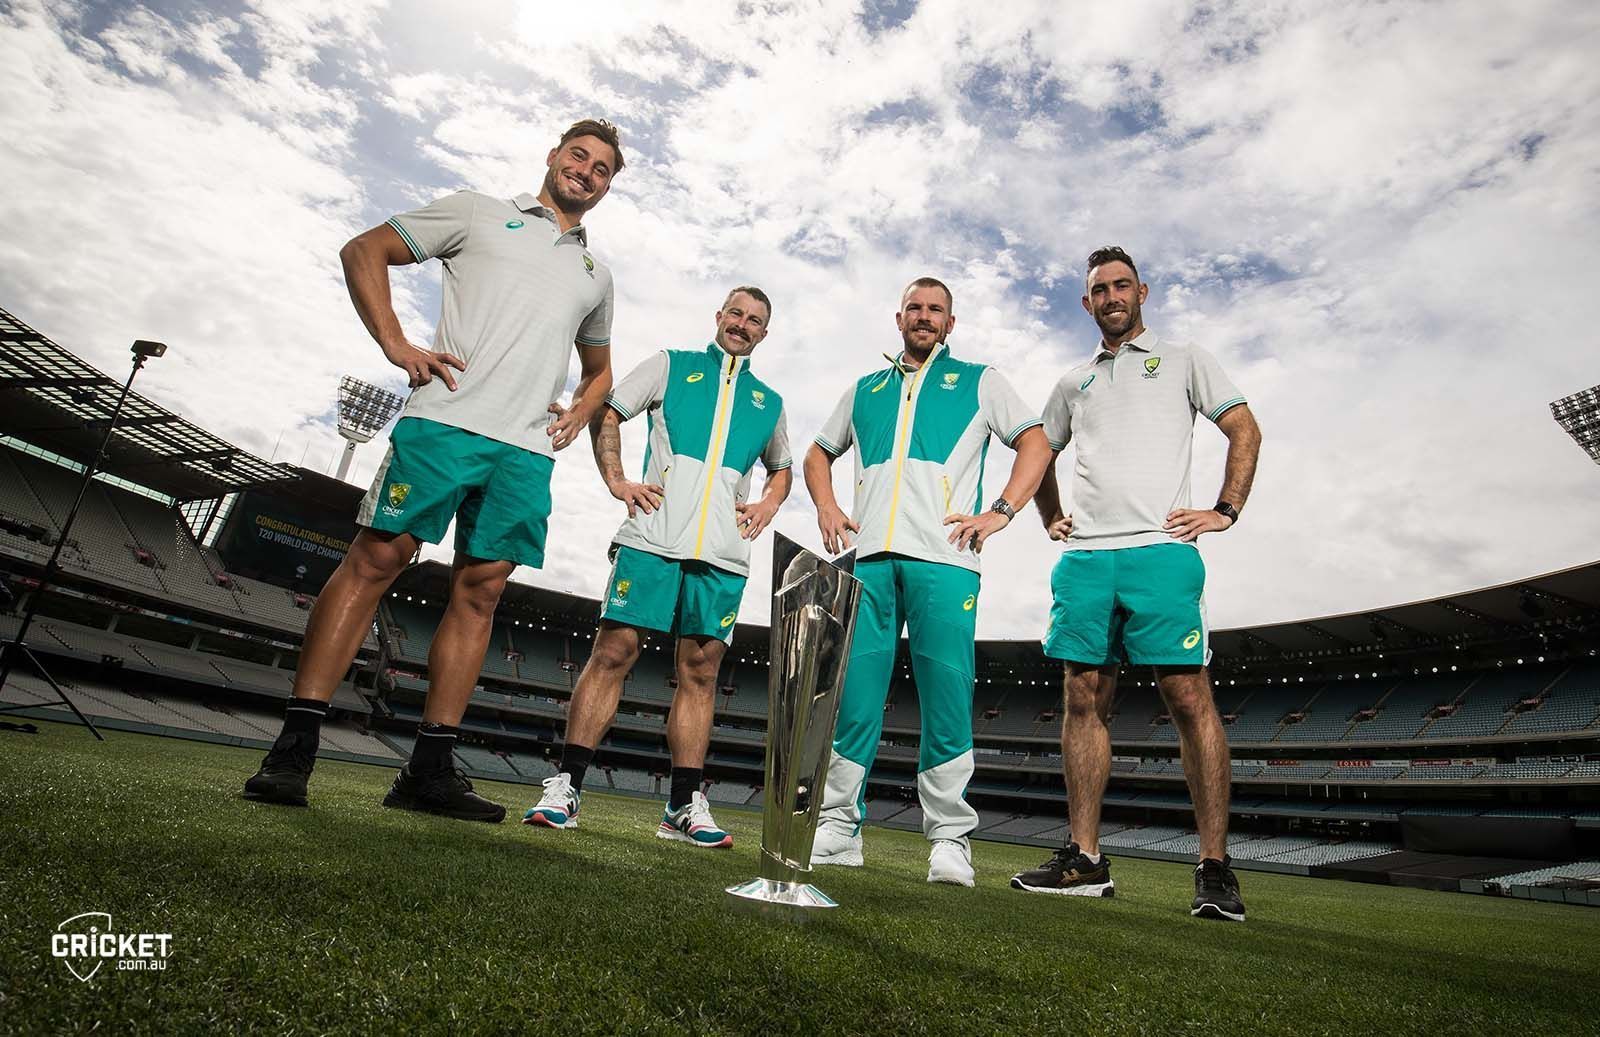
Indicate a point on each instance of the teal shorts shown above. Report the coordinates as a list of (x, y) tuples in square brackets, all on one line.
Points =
[(1141, 605), (683, 598), (498, 494)]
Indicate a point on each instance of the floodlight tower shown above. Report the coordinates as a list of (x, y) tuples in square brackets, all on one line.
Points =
[(364, 408), (1579, 415)]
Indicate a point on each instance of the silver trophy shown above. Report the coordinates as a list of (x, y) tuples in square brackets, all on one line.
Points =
[(813, 616)]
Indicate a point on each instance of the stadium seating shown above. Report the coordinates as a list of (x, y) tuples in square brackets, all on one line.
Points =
[(1571, 702), (1142, 835), (1327, 714), (1403, 710)]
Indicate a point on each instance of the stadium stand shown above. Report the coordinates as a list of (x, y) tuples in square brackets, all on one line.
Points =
[(153, 632)]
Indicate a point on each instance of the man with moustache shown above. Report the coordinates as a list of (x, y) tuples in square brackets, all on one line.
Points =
[(1129, 587), (680, 560), (476, 443), (921, 429)]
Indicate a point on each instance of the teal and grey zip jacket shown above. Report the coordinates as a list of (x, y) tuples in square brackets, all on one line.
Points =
[(921, 437), (710, 420)]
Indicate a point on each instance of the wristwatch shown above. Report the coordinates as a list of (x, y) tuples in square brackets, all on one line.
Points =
[(1003, 508), (1224, 508)]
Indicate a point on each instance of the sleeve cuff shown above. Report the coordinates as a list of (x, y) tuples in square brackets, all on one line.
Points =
[(411, 243), (778, 466), (1224, 408), (827, 447), (619, 408), (580, 340), (1020, 429)]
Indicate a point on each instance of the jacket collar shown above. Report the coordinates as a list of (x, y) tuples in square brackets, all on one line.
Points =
[(897, 361), (722, 356)]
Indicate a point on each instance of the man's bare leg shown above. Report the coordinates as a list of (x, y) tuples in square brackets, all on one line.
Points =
[(429, 782), (593, 705), (342, 616), (688, 736), (689, 723), (594, 700), (339, 622), (1204, 745), (455, 659), (1086, 748)]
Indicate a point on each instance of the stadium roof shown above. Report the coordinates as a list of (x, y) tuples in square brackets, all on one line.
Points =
[(1551, 602), (54, 400)]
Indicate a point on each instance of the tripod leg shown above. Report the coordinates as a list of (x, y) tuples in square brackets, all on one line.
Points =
[(44, 672)]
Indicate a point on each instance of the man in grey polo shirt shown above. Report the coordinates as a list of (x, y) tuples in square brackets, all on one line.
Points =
[(1129, 587), (475, 444)]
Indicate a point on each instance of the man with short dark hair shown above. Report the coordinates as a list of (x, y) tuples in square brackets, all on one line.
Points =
[(921, 430), (475, 444), (680, 561), (1129, 586)]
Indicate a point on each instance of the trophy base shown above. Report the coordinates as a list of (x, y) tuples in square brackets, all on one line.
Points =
[(792, 900)]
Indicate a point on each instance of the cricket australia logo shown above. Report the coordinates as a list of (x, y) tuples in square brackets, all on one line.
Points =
[(1150, 365), (588, 265), (758, 398), (85, 942), (620, 595), (398, 492), (950, 380)]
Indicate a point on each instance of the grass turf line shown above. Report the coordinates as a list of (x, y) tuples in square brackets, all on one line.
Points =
[(348, 917)]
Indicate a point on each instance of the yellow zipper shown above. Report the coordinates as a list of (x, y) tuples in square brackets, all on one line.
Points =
[(903, 442), (946, 480), (724, 395)]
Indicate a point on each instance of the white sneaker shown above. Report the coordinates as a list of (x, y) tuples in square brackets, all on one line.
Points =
[(950, 861), (558, 808), (693, 824), (835, 845)]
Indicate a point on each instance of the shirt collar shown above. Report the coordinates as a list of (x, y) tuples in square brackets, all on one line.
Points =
[(529, 203), (1145, 343)]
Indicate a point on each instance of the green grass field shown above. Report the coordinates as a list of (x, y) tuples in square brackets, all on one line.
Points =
[(351, 918)]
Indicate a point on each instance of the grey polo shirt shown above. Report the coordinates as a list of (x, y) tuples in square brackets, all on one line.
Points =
[(1130, 415), (517, 294)]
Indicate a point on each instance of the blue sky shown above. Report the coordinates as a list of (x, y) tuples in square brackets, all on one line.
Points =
[(1380, 217)]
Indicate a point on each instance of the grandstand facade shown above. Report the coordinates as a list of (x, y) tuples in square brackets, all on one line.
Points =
[(1356, 738)]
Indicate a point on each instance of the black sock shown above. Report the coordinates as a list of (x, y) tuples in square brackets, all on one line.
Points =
[(304, 719), (685, 783), (575, 760), (432, 751)]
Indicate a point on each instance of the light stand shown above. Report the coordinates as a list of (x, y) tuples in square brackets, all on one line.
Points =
[(364, 408), (18, 645)]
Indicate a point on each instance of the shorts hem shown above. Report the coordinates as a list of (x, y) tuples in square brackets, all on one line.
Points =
[(490, 554), (637, 624), (397, 528)]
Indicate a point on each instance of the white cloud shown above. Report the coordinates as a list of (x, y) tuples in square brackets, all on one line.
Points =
[(1380, 217)]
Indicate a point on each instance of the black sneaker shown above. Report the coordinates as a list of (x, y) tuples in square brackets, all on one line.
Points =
[(1068, 872), (446, 792), (283, 774), (1216, 891)]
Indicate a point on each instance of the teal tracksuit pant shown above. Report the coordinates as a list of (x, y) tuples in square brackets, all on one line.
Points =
[(938, 606)]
